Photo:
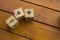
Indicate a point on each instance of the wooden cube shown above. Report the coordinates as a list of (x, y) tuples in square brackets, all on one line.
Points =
[(12, 22), (29, 14), (19, 14)]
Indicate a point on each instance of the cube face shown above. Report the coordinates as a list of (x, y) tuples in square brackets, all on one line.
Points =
[(29, 13), (11, 21), (18, 13)]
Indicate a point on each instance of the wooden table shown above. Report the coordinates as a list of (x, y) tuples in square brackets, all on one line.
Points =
[(33, 30)]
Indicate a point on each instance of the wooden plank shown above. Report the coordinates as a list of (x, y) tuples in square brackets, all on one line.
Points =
[(3, 17), (37, 31), (8, 36), (55, 4)]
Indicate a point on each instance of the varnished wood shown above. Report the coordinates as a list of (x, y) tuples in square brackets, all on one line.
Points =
[(34, 30), (55, 4), (41, 14)]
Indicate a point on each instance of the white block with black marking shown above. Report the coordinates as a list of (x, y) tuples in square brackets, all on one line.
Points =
[(29, 13), (19, 13), (12, 22)]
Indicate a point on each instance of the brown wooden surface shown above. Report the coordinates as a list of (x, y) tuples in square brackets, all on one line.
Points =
[(41, 14), (34, 30), (4, 35), (55, 4)]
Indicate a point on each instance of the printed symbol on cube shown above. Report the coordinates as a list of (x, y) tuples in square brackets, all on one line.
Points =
[(18, 13), (29, 13), (11, 21)]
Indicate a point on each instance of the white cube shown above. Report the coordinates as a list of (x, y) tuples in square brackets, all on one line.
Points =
[(29, 13), (12, 22), (19, 13)]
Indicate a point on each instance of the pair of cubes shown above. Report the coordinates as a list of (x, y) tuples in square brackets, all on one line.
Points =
[(19, 13)]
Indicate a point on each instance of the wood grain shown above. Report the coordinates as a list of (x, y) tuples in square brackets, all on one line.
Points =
[(55, 4), (41, 14), (33, 30)]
